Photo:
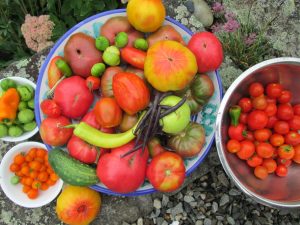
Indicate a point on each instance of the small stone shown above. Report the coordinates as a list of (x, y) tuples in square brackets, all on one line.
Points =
[(175, 223), (207, 221), (164, 223), (177, 209), (124, 223), (160, 221), (214, 207), (165, 200), (193, 204), (248, 222), (178, 217), (140, 221), (220, 218), (223, 179), (190, 6), (203, 13), (188, 199), (230, 220), (157, 203), (204, 178), (204, 184), (199, 222), (224, 200), (234, 192), (187, 207), (203, 196)]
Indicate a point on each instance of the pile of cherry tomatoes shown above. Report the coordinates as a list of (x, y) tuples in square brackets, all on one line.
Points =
[(33, 171), (264, 130)]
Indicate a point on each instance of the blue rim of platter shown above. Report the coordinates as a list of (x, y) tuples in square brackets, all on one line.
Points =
[(44, 66)]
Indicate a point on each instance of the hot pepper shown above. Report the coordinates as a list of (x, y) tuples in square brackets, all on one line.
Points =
[(9, 102), (235, 112)]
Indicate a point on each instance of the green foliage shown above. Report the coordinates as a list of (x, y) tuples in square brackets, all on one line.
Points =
[(64, 13)]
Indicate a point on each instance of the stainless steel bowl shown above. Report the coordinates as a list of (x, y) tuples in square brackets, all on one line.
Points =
[(274, 191)]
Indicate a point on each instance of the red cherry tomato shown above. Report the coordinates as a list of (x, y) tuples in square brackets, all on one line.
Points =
[(245, 104), (276, 140), (271, 121), (264, 150), (286, 151), (262, 134), (270, 164), (285, 112), (233, 146), (261, 172), (133, 56), (50, 108), (281, 171), (292, 138), (259, 102), (294, 123), (257, 119), (271, 100), (254, 161), (285, 97), (296, 157), (236, 132), (93, 83), (285, 162), (297, 109), (271, 109), (281, 127), (243, 118), (256, 89), (248, 135), (247, 150), (274, 90)]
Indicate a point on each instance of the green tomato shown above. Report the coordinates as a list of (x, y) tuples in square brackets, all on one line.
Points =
[(98, 69), (22, 105), (29, 126), (31, 103), (7, 83), (111, 56), (121, 39), (176, 121), (25, 116), (101, 43), (15, 131), (25, 93), (14, 180), (141, 44), (3, 130)]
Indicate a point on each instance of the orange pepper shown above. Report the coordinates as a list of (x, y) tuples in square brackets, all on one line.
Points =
[(9, 102)]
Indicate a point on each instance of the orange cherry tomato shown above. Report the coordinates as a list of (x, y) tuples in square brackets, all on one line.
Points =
[(50, 182), (233, 146), (32, 152), (54, 177), (28, 158), (28, 181), (33, 174), (270, 165), (14, 167), (19, 159), (35, 165), (43, 168), (261, 172), (44, 186), (25, 170), (32, 193), (41, 153), (36, 184), (43, 176), (26, 188)]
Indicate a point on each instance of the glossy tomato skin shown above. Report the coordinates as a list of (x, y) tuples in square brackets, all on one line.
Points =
[(286, 151), (271, 109), (271, 122), (90, 119), (261, 172), (108, 113), (166, 172), (281, 127), (259, 102), (292, 138), (245, 104), (262, 134), (285, 97), (248, 135), (93, 83), (296, 157), (254, 161), (131, 92), (264, 150), (281, 171), (296, 109), (256, 89), (294, 123), (233, 146), (276, 140), (133, 56), (285, 112), (285, 162), (270, 164), (273, 90), (257, 119), (50, 108), (236, 132), (247, 150), (243, 118)]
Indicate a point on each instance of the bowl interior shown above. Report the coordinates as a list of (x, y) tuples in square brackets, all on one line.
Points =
[(25, 135), (274, 190), (14, 192)]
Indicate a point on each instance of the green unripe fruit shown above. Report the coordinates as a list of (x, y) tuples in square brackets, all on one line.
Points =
[(7, 83), (25, 92), (29, 126), (98, 69), (25, 116), (141, 44), (111, 56), (22, 105), (101, 43), (15, 131), (63, 67), (121, 40), (14, 180), (3, 130), (30, 103)]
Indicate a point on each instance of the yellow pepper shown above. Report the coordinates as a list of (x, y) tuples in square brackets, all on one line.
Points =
[(9, 102)]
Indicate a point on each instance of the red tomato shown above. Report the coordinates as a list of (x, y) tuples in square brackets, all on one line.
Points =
[(236, 132), (276, 140), (281, 127), (93, 83), (294, 123), (131, 92), (257, 119), (233, 146), (108, 112), (285, 97), (245, 104), (243, 118), (281, 171), (261, 172), (271, 121), (271, 109), (296, 109), (247, 150), (286, 151), (296, 157), (275, 154), (248, 135), (285, 112), (254, 161), (50, 108), (259, 102), (262, 134), (256, 89), (273, 90), (285, 162), (270, 164), (264, 150), (292, 138), (166, 172), (90, 119), (271, 100), (133, 56)]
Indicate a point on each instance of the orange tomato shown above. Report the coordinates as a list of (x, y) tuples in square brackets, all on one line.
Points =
[(35, 165), (41, 153), (19, 159), (32, 152), (43, 168), (38, 159), (14, 167), (28, 158), (44, 186), (26, 188), (43, 176), (50, 182), (36, 184), (28, 181), (32, 193), (25, 170), (54, 177), (22, 181), (33, 174), (19, 173)]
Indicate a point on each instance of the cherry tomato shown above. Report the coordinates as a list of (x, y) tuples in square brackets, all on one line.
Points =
[(254, 161), (248, 135), (285, 162), (264, 150), (32, 193), (43, 176), (296, 157), (276, 140), (133, 56), (271, 100), (273, 90), (32, 152), (281, 127), (19, 159), (247, 149), (236, 132), (93, 82), (26, 188), (271, 109), (296, 109), (35, 165), (256, 89), (243, 118), (50, 108), (271, 122), (281, 171), (286, 151), (245, 104), (261, 172), (270, 164), (44, 187), (233, 146), (275, 154), (257, 119), (285, 112), (259, 102), (28, 181), (294, 123), (292, 138), (262, 134), (36, 184), (285, 97)]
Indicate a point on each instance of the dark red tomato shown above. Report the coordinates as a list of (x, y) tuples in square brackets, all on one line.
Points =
[(285, 162), (281, 171), (297, 109), (257, 119), (133, 56), (259, 102), (270, 164), (247, 150), (245, 104), (50, 108), (256, 89), (243, 118), (254, 161), (296, 157), (273, 90), (292, 138), (264, 150), (236, 132), (285, 112), (262, 134), (285, 97), (275, 154), (233, 146), (286, 152), (93, 83), (271, 122), (271, 109), (281, 127), (294, 123), (276, 140), (271, 100), (248, 135), (261, 172)]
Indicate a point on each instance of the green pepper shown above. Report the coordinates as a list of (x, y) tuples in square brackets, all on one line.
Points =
[(7, 83), (235, 112)]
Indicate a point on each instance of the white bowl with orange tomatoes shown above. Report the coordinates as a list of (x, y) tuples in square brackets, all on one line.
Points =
[(26, 177)]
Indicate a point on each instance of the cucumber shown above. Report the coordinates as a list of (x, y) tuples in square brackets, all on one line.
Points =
[(71, 170)]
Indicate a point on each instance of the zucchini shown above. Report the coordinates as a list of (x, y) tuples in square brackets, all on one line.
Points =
[(70, 170)]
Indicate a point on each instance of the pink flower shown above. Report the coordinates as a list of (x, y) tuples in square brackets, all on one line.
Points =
[(229, 16), (217, 7), (217, 27), (250, 39), (231, 25)]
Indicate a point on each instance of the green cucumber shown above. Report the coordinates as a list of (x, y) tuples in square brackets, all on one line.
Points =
[(71, 170)]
